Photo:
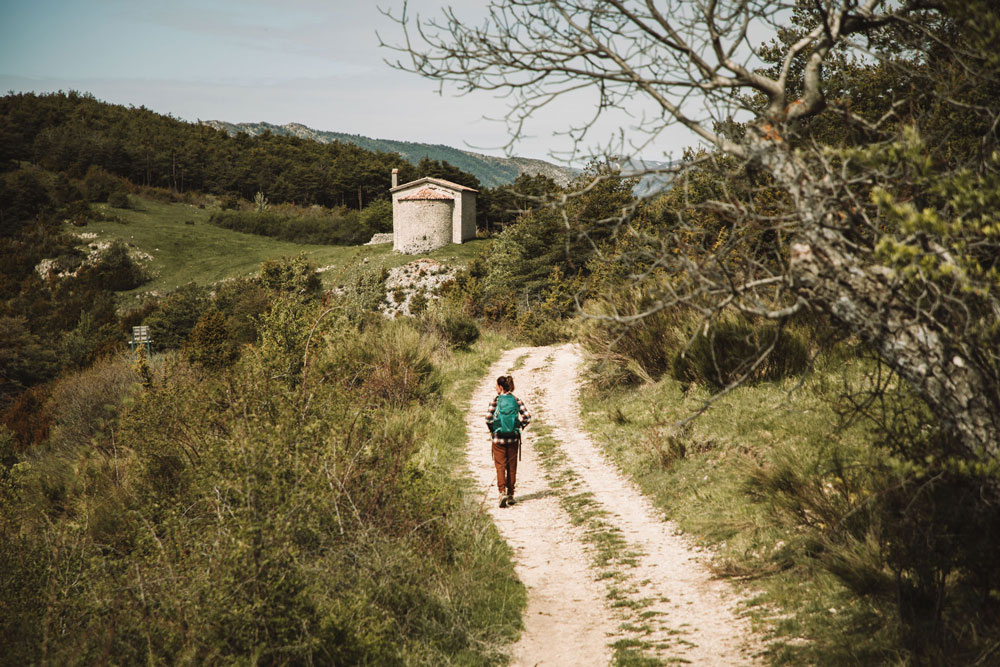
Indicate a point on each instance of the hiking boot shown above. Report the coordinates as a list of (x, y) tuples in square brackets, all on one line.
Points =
[(503, 499), (510, 499)]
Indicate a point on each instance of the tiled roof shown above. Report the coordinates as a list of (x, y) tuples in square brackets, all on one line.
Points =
[(427, 193), (434, 181)]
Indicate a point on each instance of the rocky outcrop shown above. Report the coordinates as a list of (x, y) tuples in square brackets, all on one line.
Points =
[(411, 287), (379, 239)]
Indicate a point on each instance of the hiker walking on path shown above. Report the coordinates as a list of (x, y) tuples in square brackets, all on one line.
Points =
[(506, 418)]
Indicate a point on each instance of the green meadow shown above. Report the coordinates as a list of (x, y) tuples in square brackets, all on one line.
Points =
[(186, 248)]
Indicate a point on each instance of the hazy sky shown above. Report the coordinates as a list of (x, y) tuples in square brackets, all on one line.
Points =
[(307, 61)]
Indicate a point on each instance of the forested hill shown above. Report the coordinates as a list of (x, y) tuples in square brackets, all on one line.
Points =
[(491, 171), (72, 133)]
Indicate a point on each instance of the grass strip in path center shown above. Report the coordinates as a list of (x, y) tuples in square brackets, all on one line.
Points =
[(613, 556)]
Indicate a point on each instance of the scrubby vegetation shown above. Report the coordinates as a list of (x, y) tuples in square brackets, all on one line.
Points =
[(538, 269), (291, 499), (71, 165), (266, 488)]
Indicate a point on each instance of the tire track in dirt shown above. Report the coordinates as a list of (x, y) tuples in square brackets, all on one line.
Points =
[(675, 607)]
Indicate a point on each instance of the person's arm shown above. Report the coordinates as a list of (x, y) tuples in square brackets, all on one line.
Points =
[(525, 415), (490, 413)]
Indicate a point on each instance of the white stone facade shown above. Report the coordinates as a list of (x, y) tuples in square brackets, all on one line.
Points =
[(421, 225), (430, 213)]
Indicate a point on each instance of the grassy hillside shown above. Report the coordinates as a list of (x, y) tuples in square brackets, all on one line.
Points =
[(185, 248)]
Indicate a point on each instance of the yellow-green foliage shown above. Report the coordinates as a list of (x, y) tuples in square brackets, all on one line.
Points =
[(952, 239), (293, 275), (209, 343), (452, 324), (298, 507)]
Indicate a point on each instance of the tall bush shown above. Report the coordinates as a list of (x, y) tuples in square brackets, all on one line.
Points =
[(295, 276), (640, 349), (733, 349), (210, 343), (176, 315), (77, 418), (98, 184), (453, 325), (115, 270), (377, 217)]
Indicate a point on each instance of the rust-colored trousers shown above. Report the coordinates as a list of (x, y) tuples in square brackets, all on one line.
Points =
[(505, 459)]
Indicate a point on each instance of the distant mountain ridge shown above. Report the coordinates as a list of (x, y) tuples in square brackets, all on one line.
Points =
[(491, 171)]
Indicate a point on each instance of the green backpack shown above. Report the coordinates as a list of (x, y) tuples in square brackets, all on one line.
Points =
[(507, 417)]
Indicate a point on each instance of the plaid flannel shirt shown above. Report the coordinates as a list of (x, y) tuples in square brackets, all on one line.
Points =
[(507, 439)]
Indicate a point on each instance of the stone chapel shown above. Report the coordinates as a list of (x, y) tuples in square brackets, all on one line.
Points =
[(429, 213)]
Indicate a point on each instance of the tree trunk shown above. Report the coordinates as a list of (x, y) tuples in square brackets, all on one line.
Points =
[(842, 279)]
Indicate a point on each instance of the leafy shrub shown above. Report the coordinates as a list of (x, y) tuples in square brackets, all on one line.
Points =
[(165, 195), (210, 344), (24, 358), (27, 416), (8, 450), (639, 349), (539, 329), (175, 316), (98, 184), (905, 530), (78, 213), (115, 270), (291, 275), (317, 225), (454, 326), (242, 301), (235, 516), (377, 217), (22, 196), (732, 349), (640, 342), (260, 203), (22, 605), (367, 293), (285, 331), (418, 302), (78, 416), (92, 336), (119, 199), (388, 364)]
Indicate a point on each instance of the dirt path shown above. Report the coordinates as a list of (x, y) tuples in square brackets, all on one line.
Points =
[(601, 564)]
